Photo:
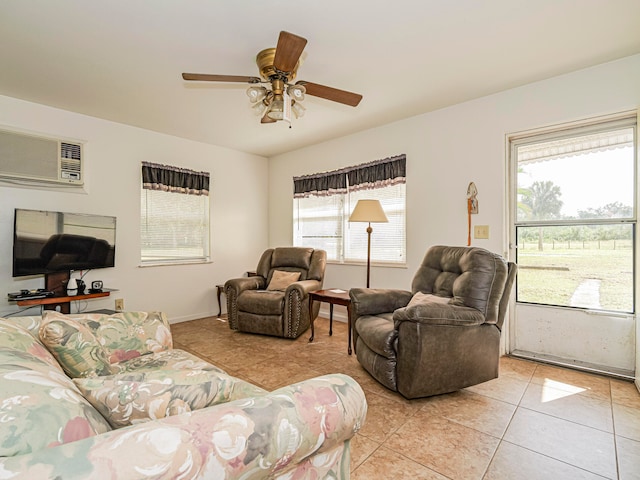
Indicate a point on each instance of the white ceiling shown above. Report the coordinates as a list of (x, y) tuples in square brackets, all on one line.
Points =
[(121, 60)]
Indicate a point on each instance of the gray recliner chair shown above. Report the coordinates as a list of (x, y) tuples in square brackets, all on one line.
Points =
[(444, 334), (276, 300)]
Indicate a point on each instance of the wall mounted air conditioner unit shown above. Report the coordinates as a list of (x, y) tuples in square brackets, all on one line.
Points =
[(34, 158)]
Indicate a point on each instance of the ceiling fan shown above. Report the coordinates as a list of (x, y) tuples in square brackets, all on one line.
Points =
[(278, 68)]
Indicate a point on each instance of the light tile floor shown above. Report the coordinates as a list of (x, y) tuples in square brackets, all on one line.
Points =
[(533, 422)]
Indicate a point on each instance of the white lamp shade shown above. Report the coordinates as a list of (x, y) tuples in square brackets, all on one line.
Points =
[(368, 211)]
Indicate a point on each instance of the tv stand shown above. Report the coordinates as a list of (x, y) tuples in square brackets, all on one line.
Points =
[(56, 282), (64, 302)]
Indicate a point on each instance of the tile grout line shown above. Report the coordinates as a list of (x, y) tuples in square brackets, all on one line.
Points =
[(501, 439), (613, 427)]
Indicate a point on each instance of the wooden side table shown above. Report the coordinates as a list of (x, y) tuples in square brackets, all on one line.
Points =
[(332, 297), (220, 289)]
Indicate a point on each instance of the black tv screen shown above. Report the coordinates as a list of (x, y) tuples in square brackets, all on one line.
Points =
[(47, 242)]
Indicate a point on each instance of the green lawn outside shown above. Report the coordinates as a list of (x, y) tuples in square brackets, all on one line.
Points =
[(551, 276)]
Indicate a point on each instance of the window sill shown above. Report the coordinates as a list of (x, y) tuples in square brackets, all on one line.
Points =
[(173, 263), (364, 264)]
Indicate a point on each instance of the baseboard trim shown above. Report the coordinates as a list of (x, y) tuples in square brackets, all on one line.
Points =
[(195, 316), (575, 365), (338, 315)]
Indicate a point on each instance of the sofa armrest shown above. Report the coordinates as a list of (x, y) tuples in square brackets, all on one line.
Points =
[(300, 430), (373, 301), (439, 314)]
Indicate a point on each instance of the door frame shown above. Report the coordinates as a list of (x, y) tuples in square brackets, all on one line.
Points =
[(627, 324)]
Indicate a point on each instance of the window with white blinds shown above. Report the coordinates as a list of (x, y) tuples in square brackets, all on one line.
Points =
[(322, 207), (388, 240), (174, 220), (318, 223)]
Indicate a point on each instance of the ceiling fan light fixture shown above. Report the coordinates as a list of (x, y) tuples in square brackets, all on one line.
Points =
[(297, 109), (260, 108), (256, 94), (297, 92), (276, 112)]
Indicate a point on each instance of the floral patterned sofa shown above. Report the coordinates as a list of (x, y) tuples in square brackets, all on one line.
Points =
[(106, 396)]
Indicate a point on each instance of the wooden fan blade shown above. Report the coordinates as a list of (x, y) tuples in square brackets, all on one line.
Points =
[(288, 51), (266, 119), (333, 94), (205, 77)]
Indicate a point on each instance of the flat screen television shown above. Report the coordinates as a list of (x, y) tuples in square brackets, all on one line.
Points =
[(51, 242)]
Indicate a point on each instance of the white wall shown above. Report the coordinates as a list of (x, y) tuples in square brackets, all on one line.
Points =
[(113, 153), (446, 150)]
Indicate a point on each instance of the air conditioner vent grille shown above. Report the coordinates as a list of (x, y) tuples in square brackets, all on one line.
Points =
[(69, 150), (70, 165)]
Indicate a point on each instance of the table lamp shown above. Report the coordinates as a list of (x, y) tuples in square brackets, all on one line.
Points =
[(368, 211)]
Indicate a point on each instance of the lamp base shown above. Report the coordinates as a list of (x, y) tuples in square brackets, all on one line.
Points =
[(369, 230)]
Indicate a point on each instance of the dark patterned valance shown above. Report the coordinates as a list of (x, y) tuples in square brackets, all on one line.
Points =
[(174, 179), (379, 173), (320, 184)]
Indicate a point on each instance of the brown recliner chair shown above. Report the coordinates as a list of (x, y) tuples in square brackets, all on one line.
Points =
[(277, 306), (444, 334)]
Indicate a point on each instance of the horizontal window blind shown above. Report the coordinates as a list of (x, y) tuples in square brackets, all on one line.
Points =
[(323, 203), (318, 223), (174, 227), (388, 240)]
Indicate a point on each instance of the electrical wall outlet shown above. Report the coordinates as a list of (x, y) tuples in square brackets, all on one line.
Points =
[(481, 231), (119, 304)]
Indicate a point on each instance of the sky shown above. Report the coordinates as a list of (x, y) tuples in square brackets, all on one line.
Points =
[(589, 180)]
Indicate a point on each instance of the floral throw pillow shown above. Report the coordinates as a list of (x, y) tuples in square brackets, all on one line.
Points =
[(130, 398), (125, 335), (74, 346), (128, 335)]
